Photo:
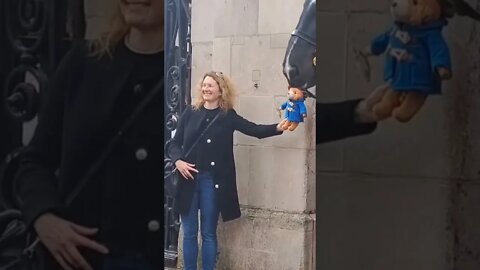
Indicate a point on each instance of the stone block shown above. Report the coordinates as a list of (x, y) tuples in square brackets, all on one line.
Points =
[(202, 58), (259, 110), (238, 40), (462, 101), (381, 222), (259, 177), (275, 172), (255, 55), (276, 17), (417, 149), (279, 41), (202, 20), (235, 234), (232, 259), (465, 199), (330, 156), (242, 164), (311, 182), (310, 243), (311, 123), (221, 55), (235, 17), (265, 239), (260, 259)]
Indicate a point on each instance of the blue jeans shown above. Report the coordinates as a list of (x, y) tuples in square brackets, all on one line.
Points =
[(127, 261), (203, 199)]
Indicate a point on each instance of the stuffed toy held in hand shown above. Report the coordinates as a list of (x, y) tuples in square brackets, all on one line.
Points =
[(295, 109), (417, 56)]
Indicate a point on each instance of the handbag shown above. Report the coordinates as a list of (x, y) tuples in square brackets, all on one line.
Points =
[(19, 244), (172, 180)]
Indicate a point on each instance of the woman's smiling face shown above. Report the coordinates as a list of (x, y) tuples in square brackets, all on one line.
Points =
[(210, 90)]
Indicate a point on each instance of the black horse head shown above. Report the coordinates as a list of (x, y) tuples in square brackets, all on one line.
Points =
[(459, 7), (298, 65)]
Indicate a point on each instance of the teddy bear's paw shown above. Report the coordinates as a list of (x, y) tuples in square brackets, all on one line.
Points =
[(401, 116), (293, 126), (382, 111), (285, 126)]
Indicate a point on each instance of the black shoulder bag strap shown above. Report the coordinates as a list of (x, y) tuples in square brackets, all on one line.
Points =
[(112, 143), (93, 169), (201, 135), (196, 142)]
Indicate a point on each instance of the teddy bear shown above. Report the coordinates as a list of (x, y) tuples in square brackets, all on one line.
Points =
[(295, 109), (417, 57)]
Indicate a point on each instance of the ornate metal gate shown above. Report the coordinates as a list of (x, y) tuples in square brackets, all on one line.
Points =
[(37, 38), (177, 95), (36, 34), (34, 39), (9, 137)]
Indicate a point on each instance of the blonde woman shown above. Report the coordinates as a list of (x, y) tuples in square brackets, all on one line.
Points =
[(209, 170), (115, 221)]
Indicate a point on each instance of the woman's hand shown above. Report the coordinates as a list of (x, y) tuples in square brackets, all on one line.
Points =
[(185, 168), (279, 125), (364, 110), (62, 238)]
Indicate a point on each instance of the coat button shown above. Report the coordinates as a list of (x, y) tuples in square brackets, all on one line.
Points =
[(216, 186), (209, 141), (153, 225), (208, 120), (212, 163), (137, 88), (141, 154)]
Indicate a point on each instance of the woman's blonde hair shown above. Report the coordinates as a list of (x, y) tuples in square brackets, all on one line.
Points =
[(227, 89), (117, 30)]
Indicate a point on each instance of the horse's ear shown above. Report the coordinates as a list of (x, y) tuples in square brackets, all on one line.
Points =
[(459, 7)]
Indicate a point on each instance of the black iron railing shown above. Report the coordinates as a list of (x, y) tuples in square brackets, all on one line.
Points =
[(177, 95), (37, 33)]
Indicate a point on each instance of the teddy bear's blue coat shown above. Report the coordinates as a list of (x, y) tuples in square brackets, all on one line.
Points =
[(294, 110), (426, 50)]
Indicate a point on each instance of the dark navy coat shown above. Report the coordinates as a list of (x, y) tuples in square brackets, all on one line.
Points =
[(413, 53), (220, 138), (336, 121)]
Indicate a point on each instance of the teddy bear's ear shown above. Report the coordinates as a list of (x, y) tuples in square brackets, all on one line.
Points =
[(459, 7), (308, 94)]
